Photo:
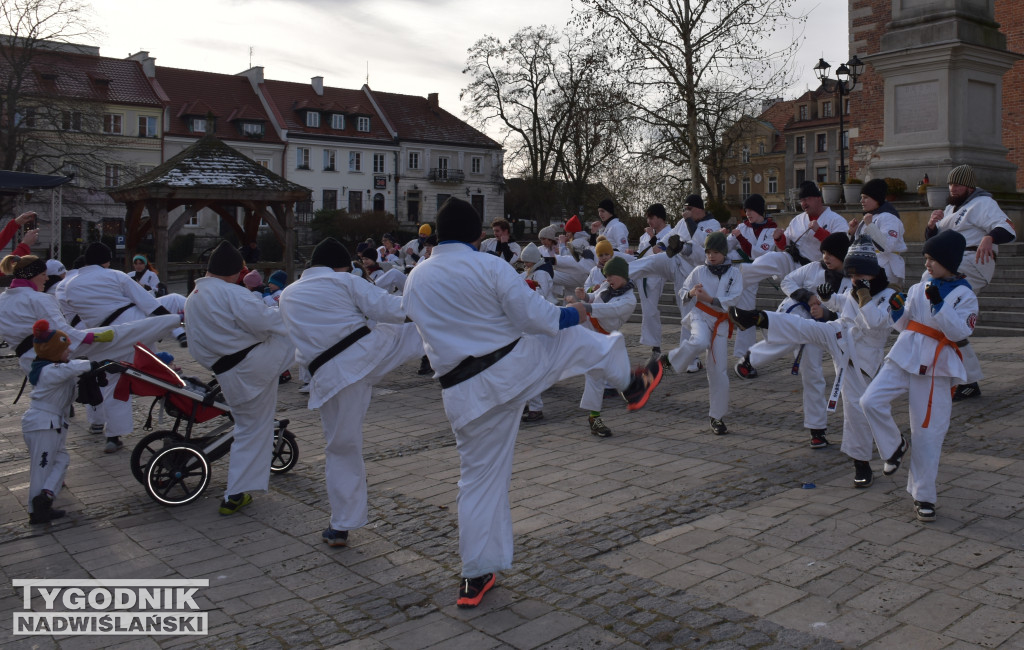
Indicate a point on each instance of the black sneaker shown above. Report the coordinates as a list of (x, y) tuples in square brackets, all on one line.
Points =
[(43, 511), (718, 427), (335, 537), (183, 340), (925, 511), (533, 416), (284, 377), (610, 392), (893, 463), (818, 439), (598, 428), (673, 246), (747, 318), (966, 391), (472, 590), (425, 368), (114, 443), (744, 370), (862, 476)]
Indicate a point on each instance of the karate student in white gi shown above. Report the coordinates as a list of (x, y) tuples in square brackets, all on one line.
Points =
[(651, 286), (144, 274), (855, 335), (803, 300), (610, 305), (798, 243), (242, 340), (339, 323), (881, 222), (502, 244), (923, 364), (707, 293), (614, 230), (101, 296), (415, 249), (538, 276), (748, 241), (520, 344), (54, 379), (973, 213)]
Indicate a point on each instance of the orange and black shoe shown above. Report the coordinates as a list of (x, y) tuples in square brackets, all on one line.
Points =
[(645, 380), (472, 590)]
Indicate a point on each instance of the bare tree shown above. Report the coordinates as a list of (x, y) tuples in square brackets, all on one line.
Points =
[(685, 61)]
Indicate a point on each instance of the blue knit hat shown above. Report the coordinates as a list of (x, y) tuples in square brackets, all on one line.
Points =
[(279, 278)]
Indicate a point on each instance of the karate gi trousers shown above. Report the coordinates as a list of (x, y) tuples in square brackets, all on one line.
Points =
[(49, 461), (716, 361)]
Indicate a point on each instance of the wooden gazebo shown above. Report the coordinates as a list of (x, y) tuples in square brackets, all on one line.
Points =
[(210, 174)]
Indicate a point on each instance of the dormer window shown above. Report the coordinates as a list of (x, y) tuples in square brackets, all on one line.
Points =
[(803, 112), (363, 124), (252, 129), (826, 109), (338, 122), (312, 119), (197, 125)]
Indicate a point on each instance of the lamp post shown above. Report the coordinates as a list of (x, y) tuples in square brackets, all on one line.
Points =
[(845, 81)]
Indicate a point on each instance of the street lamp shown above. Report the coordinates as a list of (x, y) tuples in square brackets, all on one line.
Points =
[(845, 81)]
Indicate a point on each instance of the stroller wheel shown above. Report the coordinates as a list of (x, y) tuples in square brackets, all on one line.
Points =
[(177, 475), (286, 452), (148, 447)]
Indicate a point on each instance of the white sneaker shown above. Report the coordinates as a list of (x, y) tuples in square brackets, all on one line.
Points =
[(696, 366)]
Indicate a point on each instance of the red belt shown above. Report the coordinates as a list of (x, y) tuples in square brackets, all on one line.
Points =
[(941, 342)]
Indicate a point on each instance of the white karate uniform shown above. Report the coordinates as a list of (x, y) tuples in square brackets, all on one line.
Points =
[(780, 263), (148, 281), (320, 309), (650, 289), (856, 341), (20, 308), (458, 291), (701, 230), (749, 245), (44, 425), (224, 318), (886, 232), (545, 288), (491, 246), (616, 233), (912, 368), (392, 281), (611, 316), (704, 334)]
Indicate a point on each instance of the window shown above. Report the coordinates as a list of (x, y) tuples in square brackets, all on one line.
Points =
[(821, 142), (330, 199), (363, 124), (25, 118), (112, 176), (745, 187), (355, 202), (846, 106), (193, 221), (826, 109), (801, 176), (745, 154), (760, 148), (147, 127), (312, 119), (773, 184), (800, 148), (355, 161), (821, 174), (846, 139), (252, 129), (478, 203), (378, 163), (329, 160), (414, 160), (198, 125), (442, 167), (475, 164), (378, 202), (70, 170), (71, 121), (112, 123), (263, 162), (302, 158), (721, 188), (337, 121), (441, 198), (803, 112)]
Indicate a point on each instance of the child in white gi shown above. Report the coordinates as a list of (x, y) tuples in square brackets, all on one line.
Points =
[(924, 362), (881, 222), (521, 344), (54, 380), (276, 283), (748, 241), (708, 292), (538, 277), (608, 306), (855, 335), (242, 340), (329, 313)]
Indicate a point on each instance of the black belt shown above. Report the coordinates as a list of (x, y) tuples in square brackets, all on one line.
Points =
[(472, 366), (337, 349), (24, 346), (117, 312), (229, 361)]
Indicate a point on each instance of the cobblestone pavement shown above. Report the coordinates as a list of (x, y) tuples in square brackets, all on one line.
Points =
[(662, 536)]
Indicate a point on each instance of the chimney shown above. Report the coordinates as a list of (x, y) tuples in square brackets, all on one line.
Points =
[(318, 85), (148, 62), (432, 100)]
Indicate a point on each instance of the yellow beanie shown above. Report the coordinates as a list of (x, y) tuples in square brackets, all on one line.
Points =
[(425, 230), (604, 247)]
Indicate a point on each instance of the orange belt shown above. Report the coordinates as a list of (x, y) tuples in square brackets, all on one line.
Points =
[(942, 342), (720, 317), (597, 326)]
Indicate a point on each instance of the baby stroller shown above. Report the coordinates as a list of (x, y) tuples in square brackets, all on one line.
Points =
[(174, 464)]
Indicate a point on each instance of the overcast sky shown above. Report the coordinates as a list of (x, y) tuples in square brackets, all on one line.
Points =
[(410, 46)]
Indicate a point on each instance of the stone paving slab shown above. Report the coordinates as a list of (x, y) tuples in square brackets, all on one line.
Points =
[(662, 536)]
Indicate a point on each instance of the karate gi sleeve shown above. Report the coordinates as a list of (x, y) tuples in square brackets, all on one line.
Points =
[(886, 231), (255, 317), (524, 307), (958, 315), (377, 304), (616, 311), (132, 290), (731, 287)]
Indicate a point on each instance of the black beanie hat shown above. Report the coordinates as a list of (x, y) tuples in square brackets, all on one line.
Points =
[(876, 189), (607, 206), (694, 201), (457, 220), (79, 262), (946, 248), (225, 260), (330, 253), (97, 253), (756, 203), (835, 244), (861, 258), (809, 189), (656, 210)]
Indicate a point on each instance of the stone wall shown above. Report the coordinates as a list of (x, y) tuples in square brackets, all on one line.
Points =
[(1010, 16), (867, 19)]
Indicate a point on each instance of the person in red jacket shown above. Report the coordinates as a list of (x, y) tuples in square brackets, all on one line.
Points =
[(11, 229)]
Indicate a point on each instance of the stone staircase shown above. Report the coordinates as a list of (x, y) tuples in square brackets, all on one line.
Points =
[(1002, 302)]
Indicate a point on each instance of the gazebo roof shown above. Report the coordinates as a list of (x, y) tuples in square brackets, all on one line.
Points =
[(211, 169)]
